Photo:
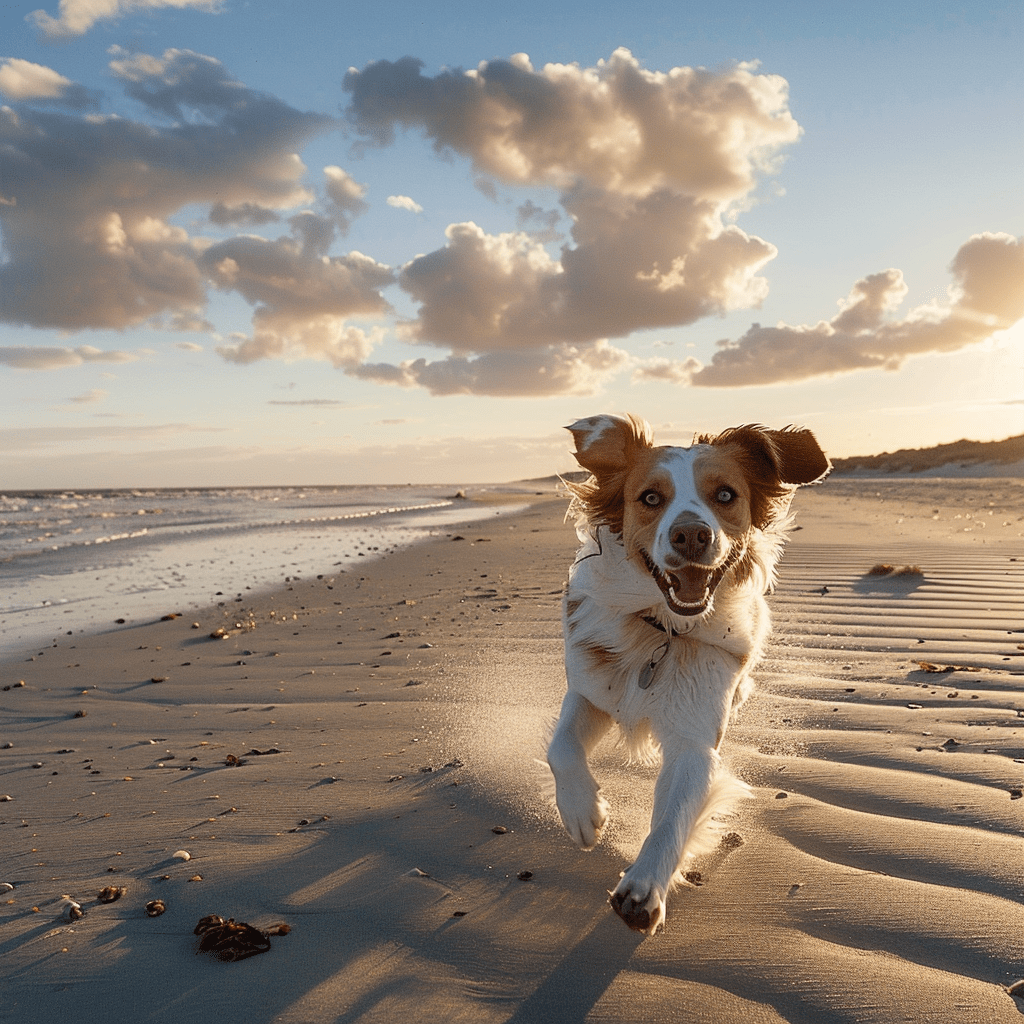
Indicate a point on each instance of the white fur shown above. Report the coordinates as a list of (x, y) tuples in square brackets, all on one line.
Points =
[(703, 675)]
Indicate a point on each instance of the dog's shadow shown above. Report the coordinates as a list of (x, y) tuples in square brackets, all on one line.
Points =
[(571, 991)]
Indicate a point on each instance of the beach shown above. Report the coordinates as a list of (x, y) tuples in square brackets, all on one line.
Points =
[(354, 753)]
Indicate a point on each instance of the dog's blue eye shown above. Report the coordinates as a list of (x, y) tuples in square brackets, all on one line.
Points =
[(652, 499), (725, 495)]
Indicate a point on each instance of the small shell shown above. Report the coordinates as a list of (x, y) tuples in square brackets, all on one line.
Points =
[(181, 855), (72, 910), (6, 887), (154, 908), (110, 893)]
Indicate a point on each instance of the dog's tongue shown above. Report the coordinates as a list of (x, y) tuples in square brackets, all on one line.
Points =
[(690, 584)]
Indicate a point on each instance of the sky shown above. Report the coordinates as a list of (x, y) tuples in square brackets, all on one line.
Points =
[(246, 242)]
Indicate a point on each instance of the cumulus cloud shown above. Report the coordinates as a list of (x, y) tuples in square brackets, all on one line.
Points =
[(987, 296), (76, 17), (86, 200), (21, 80), (617, 125), (302, 298), (344, 196), (252, 214), (30, 357), (404, 203), (538, 372), (648, 165)]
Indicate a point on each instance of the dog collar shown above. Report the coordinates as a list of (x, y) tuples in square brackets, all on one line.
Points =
[(652, 621)]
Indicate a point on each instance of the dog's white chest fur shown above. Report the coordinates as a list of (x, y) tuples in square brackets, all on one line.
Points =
[(653, 672)]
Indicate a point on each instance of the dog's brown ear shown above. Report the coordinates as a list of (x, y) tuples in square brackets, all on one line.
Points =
[(775, 461), (799, 457), (605, 443)]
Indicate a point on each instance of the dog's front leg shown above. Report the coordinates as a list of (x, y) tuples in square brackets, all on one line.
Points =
[(680, 793), (582, 808)]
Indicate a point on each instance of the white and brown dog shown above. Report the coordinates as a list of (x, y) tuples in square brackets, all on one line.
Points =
[(664, 619)]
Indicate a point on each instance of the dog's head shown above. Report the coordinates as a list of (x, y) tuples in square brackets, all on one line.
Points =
[(686, 514)]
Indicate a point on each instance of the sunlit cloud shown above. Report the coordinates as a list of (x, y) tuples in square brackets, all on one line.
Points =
[(76, 17), (404, 203), (642, 177), (87, 199), (538, 372), (303, 299), (344, 195), (45, 357), (646, 164), (987, 296), (21, 80)]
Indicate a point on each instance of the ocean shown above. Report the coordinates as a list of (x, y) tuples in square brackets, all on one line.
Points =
[(82, 561)]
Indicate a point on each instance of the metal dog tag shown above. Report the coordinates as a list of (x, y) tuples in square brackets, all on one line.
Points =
[(647, 672)]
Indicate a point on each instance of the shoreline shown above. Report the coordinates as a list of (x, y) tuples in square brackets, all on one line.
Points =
[(191, 570), (387, 720)]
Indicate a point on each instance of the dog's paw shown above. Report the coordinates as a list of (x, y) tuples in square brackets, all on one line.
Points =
[(641, 905), (584, 813)]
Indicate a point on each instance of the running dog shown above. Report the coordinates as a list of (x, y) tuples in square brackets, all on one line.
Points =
[(665, 618)]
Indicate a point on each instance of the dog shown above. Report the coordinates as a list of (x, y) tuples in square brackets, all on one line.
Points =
[(664, 618)]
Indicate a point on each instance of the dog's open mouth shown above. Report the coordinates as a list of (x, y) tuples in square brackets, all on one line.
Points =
[(688, 591)]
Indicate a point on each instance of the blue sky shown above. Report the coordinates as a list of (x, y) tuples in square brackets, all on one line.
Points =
[(340, 243)]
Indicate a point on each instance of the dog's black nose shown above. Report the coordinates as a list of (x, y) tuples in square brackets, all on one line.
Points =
[(691, 537)]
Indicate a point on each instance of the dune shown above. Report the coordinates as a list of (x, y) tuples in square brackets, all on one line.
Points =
[(354, 756)]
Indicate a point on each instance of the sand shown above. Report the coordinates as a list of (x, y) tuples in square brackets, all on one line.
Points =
[(357, 760)]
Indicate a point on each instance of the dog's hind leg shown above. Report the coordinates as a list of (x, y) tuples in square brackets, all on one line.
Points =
[(582, 808)]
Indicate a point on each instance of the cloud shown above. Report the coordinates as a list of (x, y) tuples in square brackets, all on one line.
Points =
[(555, 370), (545, 221), (21, 80), (89, 397), (647, 166), (616, 125), (303, 298), (87, 199), (344, 195), (76, 17), (987, 296), (318, 402), (188, 346), (244, 213), (29, 357), (404, 203)]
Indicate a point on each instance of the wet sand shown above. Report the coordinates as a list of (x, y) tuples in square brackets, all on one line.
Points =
[(357, 759)]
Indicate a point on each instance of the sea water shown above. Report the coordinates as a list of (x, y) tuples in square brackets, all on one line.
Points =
[(82, 561)]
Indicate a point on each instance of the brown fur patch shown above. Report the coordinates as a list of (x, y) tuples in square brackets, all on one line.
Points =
[(611, 457), (601, 655)]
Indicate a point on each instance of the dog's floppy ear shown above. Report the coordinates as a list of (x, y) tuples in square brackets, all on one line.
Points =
[(775, 461), (791, 456), (604, 443), (798, 456)]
